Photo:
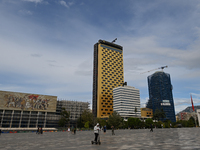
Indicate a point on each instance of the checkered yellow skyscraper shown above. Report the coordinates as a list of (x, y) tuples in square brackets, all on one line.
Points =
[(108, 73)]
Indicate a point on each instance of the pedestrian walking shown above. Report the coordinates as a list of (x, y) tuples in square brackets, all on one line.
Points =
[(0, 131), (113, 133), (151, 126), (104, 129), (38, 131), (74, 130), (96, 132), (41, 130), (162, 125)]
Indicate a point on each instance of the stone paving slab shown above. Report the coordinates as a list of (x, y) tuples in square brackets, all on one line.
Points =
[(140, 139)]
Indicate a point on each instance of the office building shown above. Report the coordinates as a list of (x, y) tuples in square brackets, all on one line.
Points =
[(126, 101), (107, 74), (160, 94)]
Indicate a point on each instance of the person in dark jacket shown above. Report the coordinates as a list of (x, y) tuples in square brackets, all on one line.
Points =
[(113, 133), (38, 131), (104, 129), (151, 126), (41, 130)]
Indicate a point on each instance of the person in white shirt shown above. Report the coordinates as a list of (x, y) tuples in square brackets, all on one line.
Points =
[(96, 131)]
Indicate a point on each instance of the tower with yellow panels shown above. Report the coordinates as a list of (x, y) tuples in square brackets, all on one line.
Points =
[(107, 74)]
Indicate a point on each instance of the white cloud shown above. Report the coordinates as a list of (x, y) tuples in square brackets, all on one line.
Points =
[(64, 4), (70, 3), (25, 12), (67, 5), (34, 1)]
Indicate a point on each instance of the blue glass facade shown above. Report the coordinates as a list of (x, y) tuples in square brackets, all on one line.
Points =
[(160, 94)]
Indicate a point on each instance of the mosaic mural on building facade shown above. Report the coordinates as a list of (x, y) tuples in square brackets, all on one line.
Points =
[(24, 101)]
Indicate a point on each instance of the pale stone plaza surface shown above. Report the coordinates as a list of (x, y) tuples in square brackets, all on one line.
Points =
[(136, 139)]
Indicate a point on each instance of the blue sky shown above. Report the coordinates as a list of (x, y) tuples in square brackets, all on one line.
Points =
[(47, 45)]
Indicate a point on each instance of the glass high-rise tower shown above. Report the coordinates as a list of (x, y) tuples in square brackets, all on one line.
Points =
[(107, 74), (160, 94)]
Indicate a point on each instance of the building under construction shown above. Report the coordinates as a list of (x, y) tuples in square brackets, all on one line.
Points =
[(160, 94), (23, 110), (74, 107)]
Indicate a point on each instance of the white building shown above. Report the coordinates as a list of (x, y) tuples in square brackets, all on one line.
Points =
[(198, 115), (126, 101)]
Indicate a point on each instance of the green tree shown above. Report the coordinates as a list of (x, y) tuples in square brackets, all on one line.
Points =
[(87, 124), (102, 122), (131, 122), (158, 124), (148, 122), (159, 114), (137, 122), (64, 119), (156, 114), (197, 121), (167, 123), (142, 124), (162, 114), (85, 117), (79, 122), (124, 124), (134, 122), (191, 122), (182, 122), (135, 111), (115, 120)]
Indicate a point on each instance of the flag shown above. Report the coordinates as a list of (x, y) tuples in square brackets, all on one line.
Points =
[(192, 103)]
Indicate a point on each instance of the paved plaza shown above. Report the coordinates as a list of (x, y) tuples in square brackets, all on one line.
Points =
[(139, 139)]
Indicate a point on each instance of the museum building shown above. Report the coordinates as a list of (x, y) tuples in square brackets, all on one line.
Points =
[(23, 110)]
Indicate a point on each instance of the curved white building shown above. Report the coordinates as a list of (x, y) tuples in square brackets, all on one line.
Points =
[(126, 101)]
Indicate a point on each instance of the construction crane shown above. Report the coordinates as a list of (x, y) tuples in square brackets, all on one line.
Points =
[(114, 40), (155, 69)]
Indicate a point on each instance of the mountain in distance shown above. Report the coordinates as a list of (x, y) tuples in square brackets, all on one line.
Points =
[(189, 109)]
